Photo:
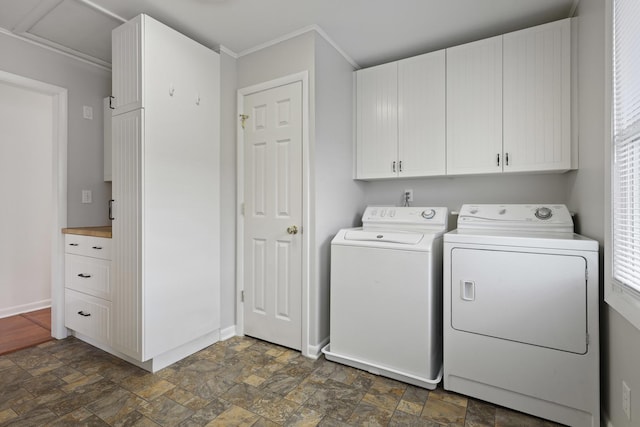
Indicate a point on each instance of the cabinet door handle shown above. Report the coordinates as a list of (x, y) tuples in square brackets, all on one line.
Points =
[(393, 166), (498, 160), (84, 276), (506, 159), (111, 209), (400, 166), (73, 244), (111, 98), (96, 247), (82, 313)]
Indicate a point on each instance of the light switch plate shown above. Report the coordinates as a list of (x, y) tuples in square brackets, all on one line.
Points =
[(86, 196), (87, 112)]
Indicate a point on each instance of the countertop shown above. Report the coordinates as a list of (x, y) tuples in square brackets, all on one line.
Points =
[(103, 231)]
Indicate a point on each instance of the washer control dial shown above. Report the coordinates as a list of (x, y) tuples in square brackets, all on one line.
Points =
[(428, 214), (543, 213)]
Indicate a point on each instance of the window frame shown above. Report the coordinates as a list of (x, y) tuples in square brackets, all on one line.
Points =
[(619, 297)]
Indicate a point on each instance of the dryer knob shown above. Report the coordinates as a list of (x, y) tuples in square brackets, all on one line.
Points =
[(543, 213), (428, 214)]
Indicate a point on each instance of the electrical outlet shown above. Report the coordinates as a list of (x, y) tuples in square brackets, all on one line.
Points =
[(408, 195), (626, 400)]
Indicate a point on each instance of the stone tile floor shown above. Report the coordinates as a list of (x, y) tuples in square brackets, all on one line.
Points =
[(238, 382)]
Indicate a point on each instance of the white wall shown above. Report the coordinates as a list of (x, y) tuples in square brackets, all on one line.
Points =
[(339, 200), (453, 192), (620, 341), (26, 161), (86, 85), (289, 57), (228, 146)]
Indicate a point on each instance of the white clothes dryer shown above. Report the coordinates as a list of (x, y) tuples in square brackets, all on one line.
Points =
[(521, 312), (386, 294)]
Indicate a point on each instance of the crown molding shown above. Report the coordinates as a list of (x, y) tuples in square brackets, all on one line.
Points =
[(574, 6), (226, 50)]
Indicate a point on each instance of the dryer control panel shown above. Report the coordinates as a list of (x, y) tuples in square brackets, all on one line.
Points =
[(530, 217), (405, 218)]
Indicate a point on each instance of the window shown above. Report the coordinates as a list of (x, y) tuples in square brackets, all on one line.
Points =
[(625, 155)]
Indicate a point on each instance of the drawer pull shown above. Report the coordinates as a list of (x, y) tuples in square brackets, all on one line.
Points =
[(82, 313), (84, 276), (73, 244), (96, 247)]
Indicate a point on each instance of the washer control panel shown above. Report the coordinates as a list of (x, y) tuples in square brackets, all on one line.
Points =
[(551, 217), (405, 218)]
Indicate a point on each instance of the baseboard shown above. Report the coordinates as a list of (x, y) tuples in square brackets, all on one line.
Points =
[(227, 333), (314, 351), (163, 360), (25, 308)]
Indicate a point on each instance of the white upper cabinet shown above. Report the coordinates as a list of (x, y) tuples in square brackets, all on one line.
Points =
[(537, 98), (127, 65), (497, 105), (474, 107), (421, 115), (377, 122), (401, 118)]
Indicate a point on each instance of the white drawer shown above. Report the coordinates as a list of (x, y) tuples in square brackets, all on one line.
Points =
[(88, 275), (88, 315), (96, 247)]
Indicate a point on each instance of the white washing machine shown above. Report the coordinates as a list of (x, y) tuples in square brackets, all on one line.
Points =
[(521, 312), (386, 294)]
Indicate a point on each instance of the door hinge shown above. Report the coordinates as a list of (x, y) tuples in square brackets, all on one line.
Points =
[(586, 274), (243, 118), (587, 338), (241, 296), (111, 98)]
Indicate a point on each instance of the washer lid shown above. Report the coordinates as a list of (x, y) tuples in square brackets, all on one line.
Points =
[(523, 218), (384, 236)]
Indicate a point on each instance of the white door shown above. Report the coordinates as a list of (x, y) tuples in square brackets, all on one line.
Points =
[(273, 215)]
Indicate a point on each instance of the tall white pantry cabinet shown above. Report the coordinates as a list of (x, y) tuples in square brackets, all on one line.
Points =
[(166, 274)]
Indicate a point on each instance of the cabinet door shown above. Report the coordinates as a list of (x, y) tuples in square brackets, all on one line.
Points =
[(377, 122), (474, 107), (106, 114), (126, 266), (126, 67), (537, 112), (421, 115)]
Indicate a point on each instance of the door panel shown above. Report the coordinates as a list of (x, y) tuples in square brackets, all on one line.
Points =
[(273, 204), (474, 107), (533, 298)]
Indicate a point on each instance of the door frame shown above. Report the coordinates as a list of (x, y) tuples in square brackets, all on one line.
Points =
[(306, 203), (58, 210)]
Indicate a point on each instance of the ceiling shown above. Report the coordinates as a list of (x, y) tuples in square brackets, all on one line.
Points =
[(368, 32)]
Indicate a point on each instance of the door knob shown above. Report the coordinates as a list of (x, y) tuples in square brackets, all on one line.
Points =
[(292, 230)]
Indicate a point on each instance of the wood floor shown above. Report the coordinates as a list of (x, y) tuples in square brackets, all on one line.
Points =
[(25, 330)]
